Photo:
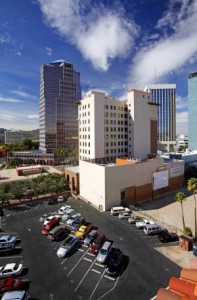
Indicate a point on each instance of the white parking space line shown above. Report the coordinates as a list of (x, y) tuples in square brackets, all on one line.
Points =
[(99, 265), (108, 277), (77, 263), (96, 271), (97, 285), (91, 254), (85, 246), (87, 259), (38, 206), (64, 260), (85, 275), (80, 250), (53, 244), (10, 257)]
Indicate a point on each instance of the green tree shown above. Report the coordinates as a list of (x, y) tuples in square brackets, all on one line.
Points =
[(16, 189), (180, 197), (192, 186)]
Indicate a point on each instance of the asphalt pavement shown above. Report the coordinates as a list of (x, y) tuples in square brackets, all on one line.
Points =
[(79, 276), (166, 211)]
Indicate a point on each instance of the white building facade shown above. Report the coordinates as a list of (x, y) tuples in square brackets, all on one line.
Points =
[(110, 128), (13, 136)]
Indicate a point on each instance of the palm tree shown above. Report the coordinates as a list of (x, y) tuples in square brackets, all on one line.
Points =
[(180, 197), (192, 186)]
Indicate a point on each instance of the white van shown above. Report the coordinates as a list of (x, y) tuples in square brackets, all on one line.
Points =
[(118, 210), (151, 229)]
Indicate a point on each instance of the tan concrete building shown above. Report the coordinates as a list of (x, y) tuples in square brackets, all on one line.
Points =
[(126, 181), (110, 128)]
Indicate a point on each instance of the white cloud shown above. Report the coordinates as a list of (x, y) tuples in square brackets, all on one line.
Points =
[(171, 52), (34, 116), (100, 34), (48, 51), (182, 123), (23, 94), (8, 99), (5, 38), (181, 103)]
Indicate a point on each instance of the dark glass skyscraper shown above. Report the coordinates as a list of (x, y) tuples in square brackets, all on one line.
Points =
[(58, 112), (192, 111), (165, 96)]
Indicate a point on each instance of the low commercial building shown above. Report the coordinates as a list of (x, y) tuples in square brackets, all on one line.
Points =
[(29, 170), (72, 176), (128, 181)]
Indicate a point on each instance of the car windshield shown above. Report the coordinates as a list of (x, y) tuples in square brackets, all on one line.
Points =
[(14, 282), (66, 242), (81, 229), (103, 251), (16, 267)]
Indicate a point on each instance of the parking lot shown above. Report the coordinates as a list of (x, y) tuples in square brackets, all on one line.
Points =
[(80, 276)]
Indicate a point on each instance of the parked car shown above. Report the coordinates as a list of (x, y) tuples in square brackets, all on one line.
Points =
[(118, 210), (67, 246), (141, 224), (133, 219), (77, 223), (153, 229), (52, 201), (104, 252), (68, 214), (83, 230), (48, 219), (63, 209), (73, 218), (43, 217), (12, 269), (115, 264), (10, 284), (124, 215), (90, 237), (57, 232), (167, 237), (15, 295), (50, 225), (6, 247), (8, 238), (97, 243), (60, 199)]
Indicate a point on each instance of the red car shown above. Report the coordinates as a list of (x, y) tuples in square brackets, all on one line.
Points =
[(10, 284), (97, 243), (54, 222)]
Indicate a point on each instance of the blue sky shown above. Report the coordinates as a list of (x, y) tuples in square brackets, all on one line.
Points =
[(115, 45)]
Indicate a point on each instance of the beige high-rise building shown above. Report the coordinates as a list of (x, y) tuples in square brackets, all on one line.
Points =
[(110, 128)]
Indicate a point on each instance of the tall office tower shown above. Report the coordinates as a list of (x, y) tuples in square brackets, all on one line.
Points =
[(192, 111), (110, 128), (165, 96), (59, 91), (13, 136)]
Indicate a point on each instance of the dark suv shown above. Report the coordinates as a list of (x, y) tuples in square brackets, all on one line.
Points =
[(97, 243)]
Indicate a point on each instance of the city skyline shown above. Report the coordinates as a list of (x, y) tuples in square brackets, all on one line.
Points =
[(115, 46)]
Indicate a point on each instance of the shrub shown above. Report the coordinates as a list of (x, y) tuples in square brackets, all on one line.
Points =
[(187, 231)]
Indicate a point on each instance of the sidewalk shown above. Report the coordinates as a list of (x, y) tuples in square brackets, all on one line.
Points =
[(166, 212), (7, 175)]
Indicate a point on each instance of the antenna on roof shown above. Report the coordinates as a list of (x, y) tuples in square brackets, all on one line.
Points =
[(155, 75)]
